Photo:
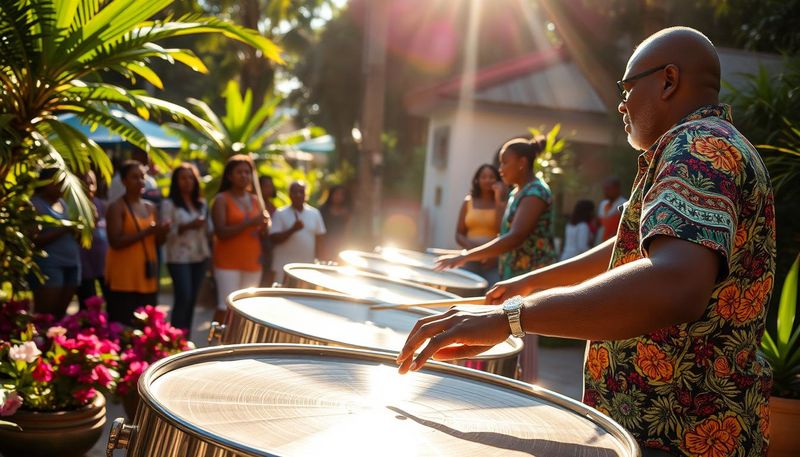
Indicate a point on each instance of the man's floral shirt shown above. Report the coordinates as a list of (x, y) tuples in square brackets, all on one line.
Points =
[(697, 388)]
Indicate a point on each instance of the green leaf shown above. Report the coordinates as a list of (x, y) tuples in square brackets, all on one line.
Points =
[(145, 72), (788, 305), (7, 424), (65, 12)]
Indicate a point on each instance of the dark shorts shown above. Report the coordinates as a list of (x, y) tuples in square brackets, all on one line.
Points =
[(57, 277)]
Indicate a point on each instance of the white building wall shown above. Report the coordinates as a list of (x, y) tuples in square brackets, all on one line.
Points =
[(475, 136)]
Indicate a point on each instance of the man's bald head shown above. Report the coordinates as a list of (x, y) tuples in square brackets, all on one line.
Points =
[(688, 49), (671, 74)]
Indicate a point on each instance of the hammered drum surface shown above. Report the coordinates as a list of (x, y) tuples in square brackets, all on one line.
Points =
[(350, 282), (348, 323), (377, 263), (303, 405)]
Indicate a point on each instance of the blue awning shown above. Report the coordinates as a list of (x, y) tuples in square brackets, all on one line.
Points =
[(156, 136)]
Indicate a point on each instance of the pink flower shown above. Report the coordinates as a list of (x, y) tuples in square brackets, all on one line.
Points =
[(43, 372), (58, 330), (9, 402), (94, 303), (103, 376), (71, 370), (84, 395), (26, 351)]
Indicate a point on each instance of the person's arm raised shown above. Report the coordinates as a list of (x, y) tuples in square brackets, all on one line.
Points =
[(671, 286), (525, 219), (571, 271)]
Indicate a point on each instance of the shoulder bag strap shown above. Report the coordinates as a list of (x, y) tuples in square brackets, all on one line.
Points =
[(136, 224)]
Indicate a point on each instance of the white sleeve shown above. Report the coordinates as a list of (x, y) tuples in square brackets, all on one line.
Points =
[(277, 222), (167, 213)]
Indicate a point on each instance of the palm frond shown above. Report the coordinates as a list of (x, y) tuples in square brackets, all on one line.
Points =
[(258, 118), (208, 114), (78, 152), (20, 29), (79, 206)]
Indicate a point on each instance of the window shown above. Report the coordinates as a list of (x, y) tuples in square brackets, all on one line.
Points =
[(441, 147)]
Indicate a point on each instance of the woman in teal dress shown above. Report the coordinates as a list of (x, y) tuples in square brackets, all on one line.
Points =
[(525, 242)]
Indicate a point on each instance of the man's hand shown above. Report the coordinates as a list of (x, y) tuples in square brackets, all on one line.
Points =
[(504, 290), (298, 225), (460, 332), (446, 262)]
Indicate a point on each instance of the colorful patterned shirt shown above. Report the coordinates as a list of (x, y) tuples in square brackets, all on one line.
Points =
[(698, 388), (538, 250)]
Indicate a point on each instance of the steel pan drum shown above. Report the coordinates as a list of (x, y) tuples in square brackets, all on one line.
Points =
[(407, 257), (457, 281), (297, 400), (310, 317), (359, 284)]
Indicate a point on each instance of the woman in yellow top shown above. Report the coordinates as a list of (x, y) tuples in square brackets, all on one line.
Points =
[(133, 234), (479, 219)]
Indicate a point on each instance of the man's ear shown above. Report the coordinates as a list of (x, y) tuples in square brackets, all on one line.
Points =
[(672, 76)]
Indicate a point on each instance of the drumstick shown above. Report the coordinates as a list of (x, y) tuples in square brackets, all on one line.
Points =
[(434, 303), (257, 187)]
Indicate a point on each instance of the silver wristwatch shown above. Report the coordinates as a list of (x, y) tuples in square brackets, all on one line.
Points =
[(513, 308)]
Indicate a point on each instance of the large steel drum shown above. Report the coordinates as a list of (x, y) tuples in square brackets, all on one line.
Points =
[(458, 281), (407, 256), (297, 400), (359, 284), (311, 317)]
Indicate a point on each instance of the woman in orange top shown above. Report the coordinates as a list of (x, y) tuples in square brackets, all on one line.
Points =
[(479, 219), (133, 233), (239, 224)]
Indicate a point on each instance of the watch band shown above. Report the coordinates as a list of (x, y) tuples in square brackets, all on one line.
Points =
[(513, 309)]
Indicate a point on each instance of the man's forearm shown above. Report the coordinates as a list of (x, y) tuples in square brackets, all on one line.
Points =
[(572, 271), (628, 301)]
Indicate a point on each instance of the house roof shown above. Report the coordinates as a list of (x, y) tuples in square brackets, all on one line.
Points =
[(547, 79), (550, 79)]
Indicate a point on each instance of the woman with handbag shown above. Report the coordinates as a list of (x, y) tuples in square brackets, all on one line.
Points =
[(133, 234)]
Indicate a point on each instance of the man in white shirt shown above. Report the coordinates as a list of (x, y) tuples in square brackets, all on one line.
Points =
[(296, 231)]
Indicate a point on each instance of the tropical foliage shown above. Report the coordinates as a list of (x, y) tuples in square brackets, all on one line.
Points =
[(54, 56), (259, 129), (782, 348)]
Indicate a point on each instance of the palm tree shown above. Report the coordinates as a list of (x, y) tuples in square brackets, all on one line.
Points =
[(243, 129), (53, 54)]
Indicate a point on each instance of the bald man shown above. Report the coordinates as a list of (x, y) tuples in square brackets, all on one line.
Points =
[(673, 325)]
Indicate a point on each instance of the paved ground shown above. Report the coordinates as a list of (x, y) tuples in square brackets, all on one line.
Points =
[(559, 369)]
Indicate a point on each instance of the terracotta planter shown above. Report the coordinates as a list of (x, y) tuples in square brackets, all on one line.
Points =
[(62, 433), (784, 425)]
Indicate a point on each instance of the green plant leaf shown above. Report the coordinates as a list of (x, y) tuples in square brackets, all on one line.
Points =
[(788, 305)]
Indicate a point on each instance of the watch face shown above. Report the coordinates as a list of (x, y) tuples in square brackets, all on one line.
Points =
[(513, 304)]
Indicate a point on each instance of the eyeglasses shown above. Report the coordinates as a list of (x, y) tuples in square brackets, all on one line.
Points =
[(623, 94)]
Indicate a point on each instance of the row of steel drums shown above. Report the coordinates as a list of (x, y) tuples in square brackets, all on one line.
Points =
[(308, 369)]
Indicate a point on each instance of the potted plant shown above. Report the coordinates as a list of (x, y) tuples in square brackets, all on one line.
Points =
[(782, 350), (53, 377), (150, 340)]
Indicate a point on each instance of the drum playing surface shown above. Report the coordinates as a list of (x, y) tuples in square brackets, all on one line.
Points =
[(300, 404), (377, 263), (342, 322), (352, 282), (407, 257)]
